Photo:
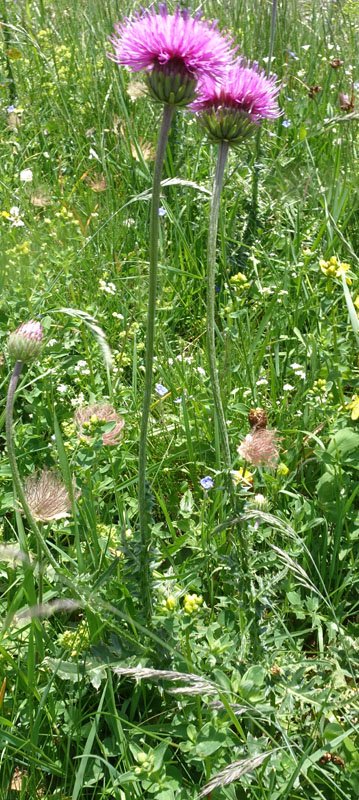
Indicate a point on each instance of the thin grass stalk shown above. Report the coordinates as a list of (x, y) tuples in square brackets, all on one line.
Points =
[(143, 505), (18, 488), (273, 25), (211, 301)]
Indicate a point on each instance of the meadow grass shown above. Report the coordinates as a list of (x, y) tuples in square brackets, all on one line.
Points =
[(273, 688)]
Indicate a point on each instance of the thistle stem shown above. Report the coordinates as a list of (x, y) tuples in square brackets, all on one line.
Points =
[(18, 488), (144, 515), (211, 300)]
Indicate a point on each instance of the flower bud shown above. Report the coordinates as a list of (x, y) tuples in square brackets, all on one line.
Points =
[(172, 84), (227, 125), (25, 343)]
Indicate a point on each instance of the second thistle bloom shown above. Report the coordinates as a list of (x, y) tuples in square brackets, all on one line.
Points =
[(230, 109), (174, 50)]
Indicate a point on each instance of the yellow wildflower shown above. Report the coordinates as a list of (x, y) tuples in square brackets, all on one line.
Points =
[(240, 281), (282, 469), (354, 406), (335, 268), (171, 602), (192, 602), (242, 476)]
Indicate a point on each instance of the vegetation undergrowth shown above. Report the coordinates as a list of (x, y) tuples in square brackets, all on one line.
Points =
[(95, 703)]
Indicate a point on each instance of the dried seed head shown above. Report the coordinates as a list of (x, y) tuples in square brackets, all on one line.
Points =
[(346, 102), (86, 416), (25, 343), (47, 496), (257, 418), (313, 90), (260, 448)]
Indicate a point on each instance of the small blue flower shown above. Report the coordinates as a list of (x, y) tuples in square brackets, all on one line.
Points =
[(293, 55), (162, 212), (207, 483), (161, 389), (286, 123), (10, 109)]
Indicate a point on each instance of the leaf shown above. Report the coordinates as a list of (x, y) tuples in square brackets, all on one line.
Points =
[(205, 749), (186, 503), (294, 598), (328, 489), (344, 444)]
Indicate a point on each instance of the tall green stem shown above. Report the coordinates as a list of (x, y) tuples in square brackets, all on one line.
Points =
[(18, 488), (143, 505), (211, 344), (211, 300)]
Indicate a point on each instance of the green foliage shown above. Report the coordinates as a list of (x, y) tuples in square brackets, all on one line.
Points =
[(276, 687)]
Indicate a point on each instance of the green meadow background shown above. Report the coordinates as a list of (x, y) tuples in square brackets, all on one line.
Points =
[(274, 689)]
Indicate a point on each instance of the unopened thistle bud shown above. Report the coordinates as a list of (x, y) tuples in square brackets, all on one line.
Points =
[(25, 343), (172, 84)]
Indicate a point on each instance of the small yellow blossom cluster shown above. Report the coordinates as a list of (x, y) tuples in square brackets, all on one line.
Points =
[(354, 407), (67, 215), (242, 477), (22, 249), (321, 390), (239, 281), (192, 602), (77, 640), (335, 268)]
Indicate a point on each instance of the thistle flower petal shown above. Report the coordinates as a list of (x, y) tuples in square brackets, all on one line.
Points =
[(155, 38)]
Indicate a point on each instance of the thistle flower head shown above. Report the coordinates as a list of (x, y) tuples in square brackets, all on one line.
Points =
[(260, 448), (174, 49), (232, 107), (88, 417), (47, 496), (25, 343)]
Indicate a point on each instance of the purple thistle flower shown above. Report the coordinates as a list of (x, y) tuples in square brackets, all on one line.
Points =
[(231, 107), (171, 45)]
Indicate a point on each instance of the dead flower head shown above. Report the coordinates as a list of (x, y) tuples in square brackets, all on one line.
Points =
[(47, 496), (260, 448), (88, 416)]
